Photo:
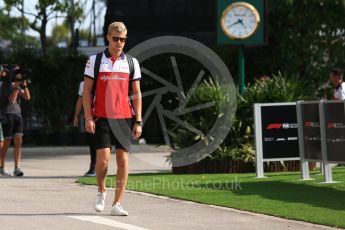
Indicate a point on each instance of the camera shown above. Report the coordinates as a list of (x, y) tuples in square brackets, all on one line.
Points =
[(10, 73), (4, 72), (21, 74), (13, 72)]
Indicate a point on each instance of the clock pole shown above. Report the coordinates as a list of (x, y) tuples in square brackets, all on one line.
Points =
[(241, 69), (240, 25)]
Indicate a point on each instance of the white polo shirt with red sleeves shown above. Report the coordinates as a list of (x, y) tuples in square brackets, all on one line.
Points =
[(113, 86), (339, 92), (81, 88)]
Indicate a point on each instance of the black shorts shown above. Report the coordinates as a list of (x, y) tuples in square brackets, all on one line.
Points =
[(117, 131), (13, 126)]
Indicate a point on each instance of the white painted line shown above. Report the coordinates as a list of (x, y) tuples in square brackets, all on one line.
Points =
[(108, 222)]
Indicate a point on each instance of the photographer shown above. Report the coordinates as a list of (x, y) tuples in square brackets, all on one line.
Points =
[(13, 127), (3, 102)]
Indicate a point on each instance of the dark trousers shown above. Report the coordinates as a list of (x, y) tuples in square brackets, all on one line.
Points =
[(90, 142)]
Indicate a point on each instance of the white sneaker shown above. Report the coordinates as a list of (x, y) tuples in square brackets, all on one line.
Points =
[(117, 210), (3, 172), (18, 172), (100, 201)]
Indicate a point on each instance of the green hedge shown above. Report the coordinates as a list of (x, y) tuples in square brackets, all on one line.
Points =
[(54, 83), (239, 143)]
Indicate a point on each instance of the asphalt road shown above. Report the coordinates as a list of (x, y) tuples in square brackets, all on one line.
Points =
[(47, 197)]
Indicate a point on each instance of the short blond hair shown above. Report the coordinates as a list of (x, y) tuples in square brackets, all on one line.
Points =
[(117, 27)]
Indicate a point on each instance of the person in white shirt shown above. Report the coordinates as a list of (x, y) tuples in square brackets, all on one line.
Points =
[(109, 112), (336, 78)]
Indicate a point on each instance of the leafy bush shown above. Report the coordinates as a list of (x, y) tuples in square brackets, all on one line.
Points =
[(279, 88), (203, 119), (54, 84), (240, 141)]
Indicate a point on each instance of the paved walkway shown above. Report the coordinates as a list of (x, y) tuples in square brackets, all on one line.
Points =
[(48, 198)]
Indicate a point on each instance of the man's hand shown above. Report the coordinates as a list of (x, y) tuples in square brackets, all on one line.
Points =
[(75, 122), (90, 126), (16, 84), (25, 83), (136, 132)]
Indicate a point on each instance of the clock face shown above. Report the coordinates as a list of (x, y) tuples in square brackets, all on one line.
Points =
[(240, 20)]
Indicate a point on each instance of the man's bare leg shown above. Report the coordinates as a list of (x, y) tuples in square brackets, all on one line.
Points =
[(122, 174), (103, 156), (18, 139), (3, 152)]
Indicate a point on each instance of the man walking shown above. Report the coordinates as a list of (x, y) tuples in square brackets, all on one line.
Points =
[(3, 103), (108, 111)]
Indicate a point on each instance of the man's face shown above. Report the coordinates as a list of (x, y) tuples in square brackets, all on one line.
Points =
[(117, 40), (3, 73), (334, 80)]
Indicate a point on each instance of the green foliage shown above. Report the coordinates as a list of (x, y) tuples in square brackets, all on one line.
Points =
[(9, 25), (203, 119), (57, 87), (11, 29), (243, 148), (239, 143), (60, 34), (305, 37), (85, 35), (72, 8), (279, 88), (55, 80), (47, 10), (280, 194), (313, 38)]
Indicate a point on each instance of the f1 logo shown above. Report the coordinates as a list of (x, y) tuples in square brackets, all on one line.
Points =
[(274, 126), (308, 124)]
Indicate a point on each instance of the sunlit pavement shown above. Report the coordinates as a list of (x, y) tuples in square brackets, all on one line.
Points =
[(47, 197)]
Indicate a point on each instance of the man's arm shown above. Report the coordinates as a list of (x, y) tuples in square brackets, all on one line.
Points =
[(78, 106), (137, 105), (12, 98), (87, 100), (24, 92)]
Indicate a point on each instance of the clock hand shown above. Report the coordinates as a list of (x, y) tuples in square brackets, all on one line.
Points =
[(238, 21), (241, 22)]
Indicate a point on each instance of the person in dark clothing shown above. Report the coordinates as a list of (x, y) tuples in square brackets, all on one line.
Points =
[(13, 127), (78, 121)]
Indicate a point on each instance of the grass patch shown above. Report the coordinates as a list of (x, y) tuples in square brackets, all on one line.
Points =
[(281, 194)]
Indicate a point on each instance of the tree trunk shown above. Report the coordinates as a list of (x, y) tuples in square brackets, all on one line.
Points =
[(43, 36), (71, 21)]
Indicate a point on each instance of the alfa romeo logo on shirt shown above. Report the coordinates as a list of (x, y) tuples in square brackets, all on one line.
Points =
[(115, 77), (211, 67)]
